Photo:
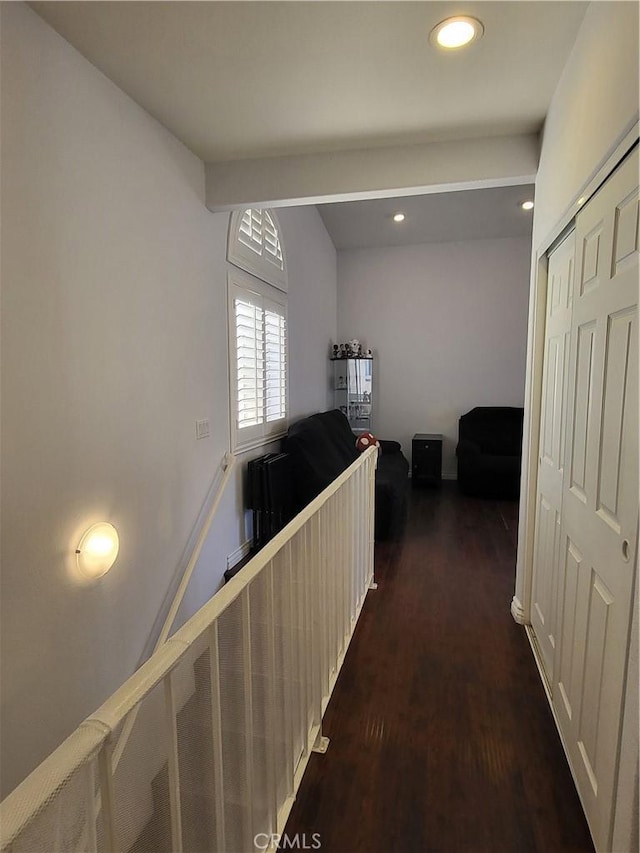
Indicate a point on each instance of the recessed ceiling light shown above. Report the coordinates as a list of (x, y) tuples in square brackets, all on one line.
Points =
[(456, 32), (527, 205), (398, 217), (581, 201)]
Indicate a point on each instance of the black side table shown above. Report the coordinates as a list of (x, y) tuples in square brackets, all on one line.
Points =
[(426, 459)]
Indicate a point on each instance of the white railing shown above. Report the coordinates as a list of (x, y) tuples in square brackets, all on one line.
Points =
[(228, 709)]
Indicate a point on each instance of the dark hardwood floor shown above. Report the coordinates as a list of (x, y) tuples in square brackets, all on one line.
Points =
[(441, 735)]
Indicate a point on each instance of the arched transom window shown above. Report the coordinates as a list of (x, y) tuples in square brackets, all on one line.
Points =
[(255, 245)]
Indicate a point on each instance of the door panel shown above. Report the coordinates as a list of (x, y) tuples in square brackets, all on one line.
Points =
[(625, 239), (597, 623), (618, 352), (583, 407), (568, 671), (590, 278), (599, 507), (552, 436)]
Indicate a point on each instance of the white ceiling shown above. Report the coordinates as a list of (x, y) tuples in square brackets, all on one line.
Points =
[(236, 80), (443, 217)]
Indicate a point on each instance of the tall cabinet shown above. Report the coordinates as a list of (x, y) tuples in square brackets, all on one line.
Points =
[(352, 381)]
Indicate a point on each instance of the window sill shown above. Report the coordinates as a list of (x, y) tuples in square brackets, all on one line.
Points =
[(260, 441)]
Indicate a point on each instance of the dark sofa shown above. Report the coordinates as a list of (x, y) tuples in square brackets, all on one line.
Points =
[(489, 451), (322, 446)]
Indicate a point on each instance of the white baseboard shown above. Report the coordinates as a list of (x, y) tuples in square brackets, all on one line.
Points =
[(517, 611), (239, 554)]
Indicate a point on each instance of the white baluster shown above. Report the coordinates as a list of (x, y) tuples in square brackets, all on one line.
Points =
[(171, 733), (371, 513), (92, 812), (249, 822), (272, 721), (216, 732), (107, 798), (344, 538), (288, 669), (300, 562)]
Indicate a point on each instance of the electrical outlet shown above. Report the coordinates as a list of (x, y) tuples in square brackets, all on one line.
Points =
[(202, 428)]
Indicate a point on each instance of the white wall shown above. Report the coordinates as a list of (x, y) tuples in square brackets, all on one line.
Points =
[(447, 323), (312, 310), (594, 105), (113, 344)]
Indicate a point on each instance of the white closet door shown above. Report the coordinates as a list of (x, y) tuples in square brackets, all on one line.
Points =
[(600, 494), (550, 459)]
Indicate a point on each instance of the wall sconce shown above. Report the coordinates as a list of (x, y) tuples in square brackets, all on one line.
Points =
[(97, 550)]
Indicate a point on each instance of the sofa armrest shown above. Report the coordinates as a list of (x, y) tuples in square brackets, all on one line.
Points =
[(387, 446)]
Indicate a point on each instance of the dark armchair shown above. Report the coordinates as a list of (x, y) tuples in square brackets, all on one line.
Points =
[(489, 451)]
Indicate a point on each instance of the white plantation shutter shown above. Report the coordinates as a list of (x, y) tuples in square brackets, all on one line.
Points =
[(254, 245), (258, 321), (275, 335), (249, 363), (271, 246), (250, 230)]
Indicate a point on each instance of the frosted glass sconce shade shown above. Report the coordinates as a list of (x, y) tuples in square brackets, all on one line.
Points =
[(98, 549)]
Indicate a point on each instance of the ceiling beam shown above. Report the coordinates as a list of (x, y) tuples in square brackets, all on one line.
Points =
[(372, 173)]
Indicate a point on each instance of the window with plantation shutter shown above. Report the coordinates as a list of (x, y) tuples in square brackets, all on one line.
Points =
[(255, 246), (275, 365), (258, 363), (257, 328), (249, 362)]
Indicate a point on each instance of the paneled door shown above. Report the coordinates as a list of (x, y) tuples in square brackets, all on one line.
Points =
[(544, 592), (600, 493)]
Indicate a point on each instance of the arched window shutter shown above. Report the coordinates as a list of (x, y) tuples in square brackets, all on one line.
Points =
[(254, 246)]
